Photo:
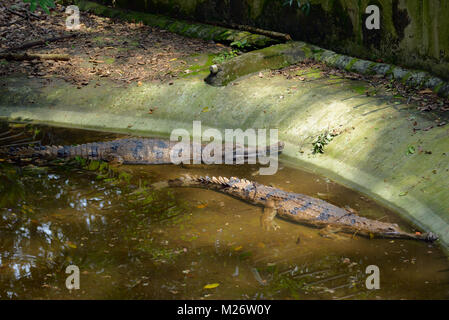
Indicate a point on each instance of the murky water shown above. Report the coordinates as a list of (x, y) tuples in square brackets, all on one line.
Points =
[(132, 242)]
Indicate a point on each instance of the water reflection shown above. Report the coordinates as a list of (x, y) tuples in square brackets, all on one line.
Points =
[(131, 241)]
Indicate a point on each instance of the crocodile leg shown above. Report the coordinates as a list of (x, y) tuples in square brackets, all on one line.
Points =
[(267, 218), (113, 159), (332, 233)]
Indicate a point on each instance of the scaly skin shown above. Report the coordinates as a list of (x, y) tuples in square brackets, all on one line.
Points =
[(126, 151), (298, 208)]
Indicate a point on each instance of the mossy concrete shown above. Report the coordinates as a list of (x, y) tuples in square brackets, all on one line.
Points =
[(274, 57), (189, 29), (371, 154), (413, 33), (282, 55)]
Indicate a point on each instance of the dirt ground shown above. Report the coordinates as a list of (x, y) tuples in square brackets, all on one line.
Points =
[(123, 52)]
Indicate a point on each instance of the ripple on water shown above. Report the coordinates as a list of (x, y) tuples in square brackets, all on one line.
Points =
[(131, 241)]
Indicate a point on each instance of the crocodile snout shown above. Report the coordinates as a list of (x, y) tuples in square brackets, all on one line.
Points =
[(430, 237)]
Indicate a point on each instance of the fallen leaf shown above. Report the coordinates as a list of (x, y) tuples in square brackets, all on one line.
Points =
[(71, 244), (202, 205), (211, 286), (238, 248), (261, 245)]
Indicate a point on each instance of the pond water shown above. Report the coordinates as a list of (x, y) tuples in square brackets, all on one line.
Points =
[(133, 242)]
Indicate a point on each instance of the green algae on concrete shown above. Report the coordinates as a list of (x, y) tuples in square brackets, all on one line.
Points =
[(274, 57), (194, 30), (282, 55), (370, 155)]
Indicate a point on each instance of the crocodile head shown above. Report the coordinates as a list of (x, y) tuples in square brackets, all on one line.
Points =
[(393, 231)]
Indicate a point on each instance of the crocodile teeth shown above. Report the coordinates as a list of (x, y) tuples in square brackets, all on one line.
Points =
[(222, 181), (214, 179)]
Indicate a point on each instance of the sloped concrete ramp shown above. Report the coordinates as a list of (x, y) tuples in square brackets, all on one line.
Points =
[(371, 153)]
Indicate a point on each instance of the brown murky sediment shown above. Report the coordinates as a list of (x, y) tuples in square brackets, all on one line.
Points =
[(130, 241)]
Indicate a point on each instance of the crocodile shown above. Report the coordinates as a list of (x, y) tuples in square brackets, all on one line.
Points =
[(134, 151), (296, 207)]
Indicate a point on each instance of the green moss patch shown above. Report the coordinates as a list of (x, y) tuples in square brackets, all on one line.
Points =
[(197, 30)]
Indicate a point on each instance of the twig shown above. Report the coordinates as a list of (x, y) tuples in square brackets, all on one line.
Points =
[(16, 13), (10, 23), (32, 56), (40, 42), (28, 14), (268, 33)]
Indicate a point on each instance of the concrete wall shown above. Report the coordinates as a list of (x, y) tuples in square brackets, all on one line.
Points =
[(414, 33), (370, 155)]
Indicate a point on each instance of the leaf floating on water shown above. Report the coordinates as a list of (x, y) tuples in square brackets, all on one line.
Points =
[(71, 245), (261, 245), (202, 205), (211, 286), (238, 248), (403, 194), (205, 109)]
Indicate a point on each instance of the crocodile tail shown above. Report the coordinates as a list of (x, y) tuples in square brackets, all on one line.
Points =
[(86, 151), (16, 152), (204, 182), (46, 152)]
